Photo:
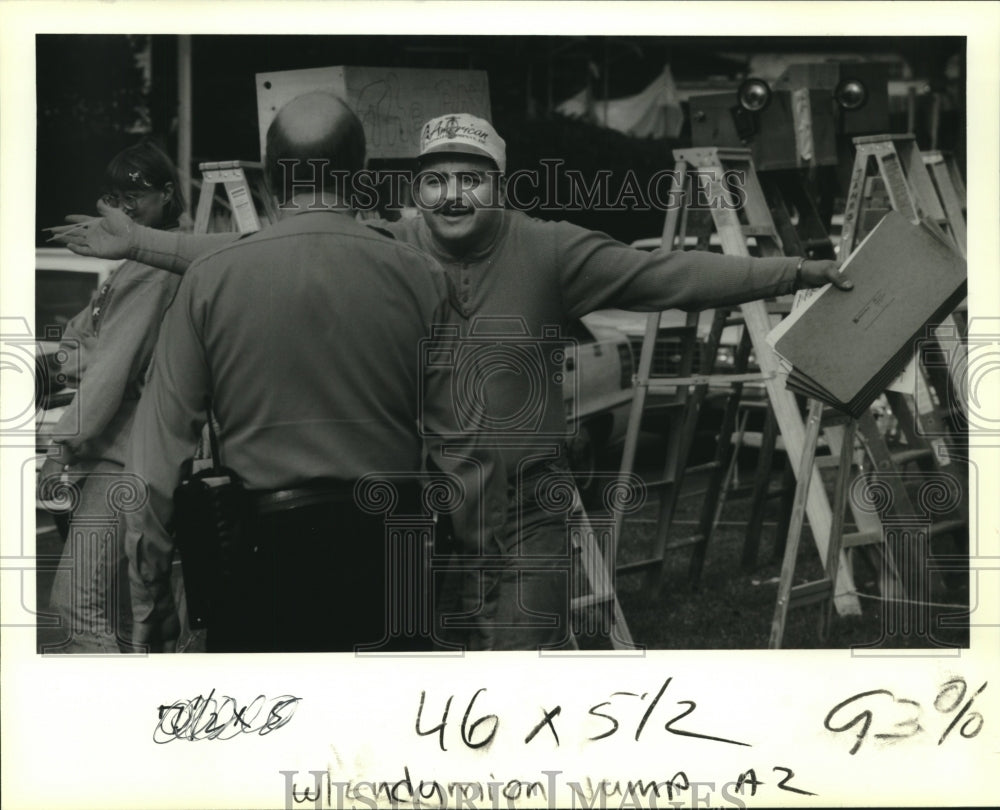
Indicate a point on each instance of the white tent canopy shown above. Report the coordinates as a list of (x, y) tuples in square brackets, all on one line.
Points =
[(653, 113)]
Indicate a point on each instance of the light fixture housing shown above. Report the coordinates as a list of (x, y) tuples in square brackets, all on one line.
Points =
[(754, 95), (851, 94)]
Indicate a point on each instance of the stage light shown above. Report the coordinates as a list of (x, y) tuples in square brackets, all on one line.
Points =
[(754, 95), (851, 94)]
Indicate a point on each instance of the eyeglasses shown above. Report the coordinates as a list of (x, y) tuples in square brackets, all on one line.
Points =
[(127, 201)]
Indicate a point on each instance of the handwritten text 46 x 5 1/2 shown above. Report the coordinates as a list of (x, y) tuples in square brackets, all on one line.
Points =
[(606, 711)]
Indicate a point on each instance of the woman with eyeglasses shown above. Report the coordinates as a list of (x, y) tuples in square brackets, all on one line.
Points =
[(109, 346)]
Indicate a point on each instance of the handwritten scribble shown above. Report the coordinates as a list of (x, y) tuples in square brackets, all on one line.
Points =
[(222, 718), (378, 106)]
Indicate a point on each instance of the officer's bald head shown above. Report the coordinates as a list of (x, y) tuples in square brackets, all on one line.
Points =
[(312, 127)]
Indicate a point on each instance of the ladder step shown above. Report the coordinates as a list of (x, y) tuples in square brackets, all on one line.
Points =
[(752, 439), (642, 565), (591, 600), (915, 454), (770, 494), (639, 565), (755, 404), (874, 537), (660, 483), (810, 592), (706, 466), (683, 542), (669, 401), (760, 230), (867, 538), (670, 383)]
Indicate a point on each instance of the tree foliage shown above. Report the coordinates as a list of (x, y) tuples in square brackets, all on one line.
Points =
[(88, 84)]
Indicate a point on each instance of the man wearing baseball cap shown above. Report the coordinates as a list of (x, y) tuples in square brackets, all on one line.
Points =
[(463, 134), (524, 277)]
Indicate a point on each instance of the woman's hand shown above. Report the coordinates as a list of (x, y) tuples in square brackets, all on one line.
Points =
[(108, 236)]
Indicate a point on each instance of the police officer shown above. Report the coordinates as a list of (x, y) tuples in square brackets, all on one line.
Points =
[(305, 337)]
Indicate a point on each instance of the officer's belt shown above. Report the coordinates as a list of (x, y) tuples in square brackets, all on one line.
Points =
[(280, 500)]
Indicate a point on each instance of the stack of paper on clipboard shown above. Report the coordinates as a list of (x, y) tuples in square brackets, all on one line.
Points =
[(845, 348)]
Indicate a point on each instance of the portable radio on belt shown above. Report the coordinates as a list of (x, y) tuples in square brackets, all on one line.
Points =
[(211, 510)]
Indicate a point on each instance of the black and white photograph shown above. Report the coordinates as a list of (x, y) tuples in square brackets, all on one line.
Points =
[(594, 409)]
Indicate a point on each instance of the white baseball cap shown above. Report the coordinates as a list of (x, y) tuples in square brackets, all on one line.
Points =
[(463, 134)]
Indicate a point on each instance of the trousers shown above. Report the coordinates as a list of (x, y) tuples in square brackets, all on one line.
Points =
[(332, 577), (319, 578), (520, 599), (90, 592)]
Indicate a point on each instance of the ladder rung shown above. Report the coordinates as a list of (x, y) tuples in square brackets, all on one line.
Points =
[(760, 230), (683, 542), (915, 454), (753, 439), (659, 483), (867, 538), (590, 600), (729, 154), (213, 165), (874, 537), (770, 494), (638, 565), (703, 467), (870, 139), (662, 404), (670, 383), (642, 565), (224, 175), (810, 593)]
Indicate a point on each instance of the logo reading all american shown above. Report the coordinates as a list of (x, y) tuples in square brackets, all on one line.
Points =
[(450, 128)]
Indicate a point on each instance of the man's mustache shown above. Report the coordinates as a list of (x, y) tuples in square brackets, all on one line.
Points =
[(450, 209)]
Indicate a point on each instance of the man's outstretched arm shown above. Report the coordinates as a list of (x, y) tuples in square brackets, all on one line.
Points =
[(113, 235), (598, 272)]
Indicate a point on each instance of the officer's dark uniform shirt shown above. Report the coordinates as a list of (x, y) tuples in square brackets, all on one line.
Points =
[(308, 335)]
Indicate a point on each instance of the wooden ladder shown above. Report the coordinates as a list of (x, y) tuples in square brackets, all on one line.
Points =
[(756, 223), (928, 407), (243, 182), (891, 166)]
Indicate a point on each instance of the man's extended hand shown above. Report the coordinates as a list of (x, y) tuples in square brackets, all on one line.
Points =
[(108, 236), (818, 273)]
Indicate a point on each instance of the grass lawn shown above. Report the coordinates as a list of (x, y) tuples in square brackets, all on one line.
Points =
[(730, 608)]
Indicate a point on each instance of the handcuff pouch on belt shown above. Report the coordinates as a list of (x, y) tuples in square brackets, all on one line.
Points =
[(212, 510)]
